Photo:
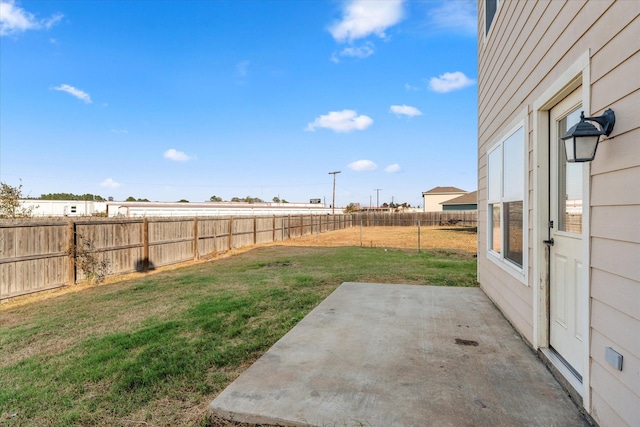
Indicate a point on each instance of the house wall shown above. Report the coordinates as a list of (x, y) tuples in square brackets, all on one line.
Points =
[(530, 45), (432, 201)]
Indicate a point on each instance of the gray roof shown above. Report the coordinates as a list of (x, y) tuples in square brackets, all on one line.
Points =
[(444, 190), (466, 199)]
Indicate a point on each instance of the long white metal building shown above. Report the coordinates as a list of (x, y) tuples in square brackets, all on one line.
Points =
[(76, 208)]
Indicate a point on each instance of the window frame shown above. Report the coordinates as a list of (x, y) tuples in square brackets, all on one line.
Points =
[(489, 26), (500, 258)]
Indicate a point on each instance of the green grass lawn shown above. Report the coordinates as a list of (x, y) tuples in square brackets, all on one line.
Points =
[(156, 350)]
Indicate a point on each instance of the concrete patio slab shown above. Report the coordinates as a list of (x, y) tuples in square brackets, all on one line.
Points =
[(399, 355)]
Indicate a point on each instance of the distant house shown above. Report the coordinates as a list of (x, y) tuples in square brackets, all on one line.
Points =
[(433, 198), (559, 241), (466, 202)]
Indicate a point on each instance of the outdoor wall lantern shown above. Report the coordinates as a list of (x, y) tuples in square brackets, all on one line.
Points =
[(581, 140)]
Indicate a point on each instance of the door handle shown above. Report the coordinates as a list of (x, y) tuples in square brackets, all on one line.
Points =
[(549, 242)]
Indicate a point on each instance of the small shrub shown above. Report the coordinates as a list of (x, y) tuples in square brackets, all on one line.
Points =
[(88, 261)]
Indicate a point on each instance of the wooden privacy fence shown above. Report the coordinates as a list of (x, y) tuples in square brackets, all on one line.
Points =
[(391, 219), (37, 255)]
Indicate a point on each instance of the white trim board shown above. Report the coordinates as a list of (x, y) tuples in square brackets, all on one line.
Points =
[(575, 76)]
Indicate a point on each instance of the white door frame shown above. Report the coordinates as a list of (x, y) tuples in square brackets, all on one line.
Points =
[(575, 76)]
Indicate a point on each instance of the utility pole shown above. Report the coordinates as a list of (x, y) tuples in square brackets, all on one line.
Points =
[(377, 190), (333, 204)]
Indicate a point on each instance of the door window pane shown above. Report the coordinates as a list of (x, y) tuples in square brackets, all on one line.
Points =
[(569, 182)]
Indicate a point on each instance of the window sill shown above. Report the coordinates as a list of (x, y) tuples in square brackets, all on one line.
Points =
[(514, 270)]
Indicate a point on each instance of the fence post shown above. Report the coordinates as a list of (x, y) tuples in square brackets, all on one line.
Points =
[(71, 245), (360, 233), (196, 254), (145, 244), (418, 236), (255, 230), (273, 228)]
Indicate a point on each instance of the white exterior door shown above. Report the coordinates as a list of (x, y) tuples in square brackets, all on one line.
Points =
[(566, 266)]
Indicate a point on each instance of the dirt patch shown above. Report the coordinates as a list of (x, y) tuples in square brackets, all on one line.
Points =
[(444, 238)]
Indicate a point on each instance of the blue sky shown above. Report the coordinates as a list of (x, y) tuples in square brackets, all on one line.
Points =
[(170, 100)]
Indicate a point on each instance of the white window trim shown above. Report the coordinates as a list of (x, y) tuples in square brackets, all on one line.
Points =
[(577, 74), (519, 273)]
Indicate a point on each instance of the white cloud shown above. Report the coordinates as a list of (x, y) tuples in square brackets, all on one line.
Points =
[(362, 18), (110, 183), (341, 121), (14, 19), (405, 110), (456, 15), (449, 82), (80, 94), (363, 51), (362, 165), (175, 155), (48, 23), (407, 86), (392, 168)]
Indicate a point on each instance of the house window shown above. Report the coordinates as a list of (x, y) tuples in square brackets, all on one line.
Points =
[(490, 9), (505, 198)]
